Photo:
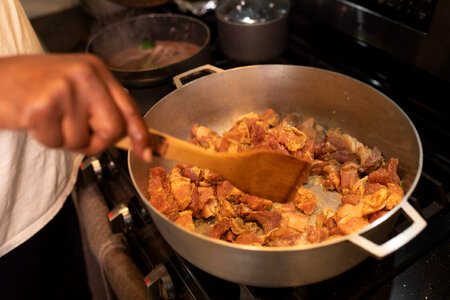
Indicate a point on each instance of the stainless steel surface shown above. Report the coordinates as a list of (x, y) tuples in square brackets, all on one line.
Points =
[(254, 41), (140, 3), (334, 100), (427, 47), (132, 31)]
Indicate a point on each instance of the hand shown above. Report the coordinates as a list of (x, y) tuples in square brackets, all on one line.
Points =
[(70, 101)]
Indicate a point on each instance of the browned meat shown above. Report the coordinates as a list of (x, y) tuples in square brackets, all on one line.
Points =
[(242, 210), (226, 191), (294, 221), (249, 239), (350, 199), (270, 118), (283, 237), (314, 234), (305, 200), (349, 175), (352, 224), (386, 175), (195, 197), (395, 195), (256, 203), (372, 188), (185, 220), (220, 228), (239, 226), (269, 220), (332, 176), (159, 192)]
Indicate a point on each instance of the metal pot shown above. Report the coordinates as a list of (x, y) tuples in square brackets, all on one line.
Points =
[(132, 31), (336, 100), (253, 32)]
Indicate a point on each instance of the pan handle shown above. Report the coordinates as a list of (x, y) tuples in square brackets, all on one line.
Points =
[(205, 68), (401, 239)]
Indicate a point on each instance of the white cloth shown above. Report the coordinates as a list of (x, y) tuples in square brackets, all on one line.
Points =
[(34, 181)]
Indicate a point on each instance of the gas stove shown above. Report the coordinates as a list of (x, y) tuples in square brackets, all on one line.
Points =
[(419, 270)]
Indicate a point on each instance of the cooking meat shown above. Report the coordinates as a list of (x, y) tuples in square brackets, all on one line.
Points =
[(163, 53), (201, 200)]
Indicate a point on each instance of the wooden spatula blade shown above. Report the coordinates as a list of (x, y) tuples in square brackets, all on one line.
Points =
[(269, 175)]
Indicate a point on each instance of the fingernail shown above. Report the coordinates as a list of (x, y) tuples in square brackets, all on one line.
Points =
[(147, 155)]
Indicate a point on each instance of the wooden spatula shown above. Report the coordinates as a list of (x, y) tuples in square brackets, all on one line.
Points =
[(265, 174)]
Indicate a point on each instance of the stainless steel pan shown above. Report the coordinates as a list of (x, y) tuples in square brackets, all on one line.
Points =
[(216, 100)]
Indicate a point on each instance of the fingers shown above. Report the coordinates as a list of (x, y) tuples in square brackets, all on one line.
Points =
[(135, 125)]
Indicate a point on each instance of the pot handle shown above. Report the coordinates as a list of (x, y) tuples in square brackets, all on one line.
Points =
[(401, 239), (205, 68)]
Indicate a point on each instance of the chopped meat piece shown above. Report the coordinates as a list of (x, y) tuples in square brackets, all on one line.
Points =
[(249, 239), (211, 208), (291, 119), (317, 166), (348, 210), (242, 210), (256, 203), (204, 195), (227, 191), (181, 189), (374, 202), (350, 199), (256, 131), (314, 234), (332, 176), (185, 220), (392, 170), (157, 180), (376, 215), (325, 214), (305, 200), (229, 236), (369, 159), (284, 207), (386, 175), (159, 192), (372, 188), (220, 228), (225, 210), (230, 145), (283, 237), (352, 224), (205, 137), (269, 220), (349, 175), (359, 187), (332, 227), (342, 155), (395, 196), (270, 118), (191, 172), (239, 226), (294, 220), (292, 138), (211, 177)]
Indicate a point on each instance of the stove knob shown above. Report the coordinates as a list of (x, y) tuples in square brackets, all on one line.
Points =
[(120, 219), (95, 164), (159, 279)]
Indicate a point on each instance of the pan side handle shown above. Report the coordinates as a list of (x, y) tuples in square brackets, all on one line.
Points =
[(177, 80), (401, 239)]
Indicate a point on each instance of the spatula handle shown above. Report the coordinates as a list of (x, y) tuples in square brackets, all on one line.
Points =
[(172, 148)]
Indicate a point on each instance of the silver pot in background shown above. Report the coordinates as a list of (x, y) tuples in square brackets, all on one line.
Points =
[(252, 31)]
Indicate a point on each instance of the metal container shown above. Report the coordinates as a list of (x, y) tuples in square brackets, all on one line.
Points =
[(252, 31), (338, 101), (132, 31)]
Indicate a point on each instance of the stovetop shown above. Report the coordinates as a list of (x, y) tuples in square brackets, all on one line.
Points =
[(419, 270)]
